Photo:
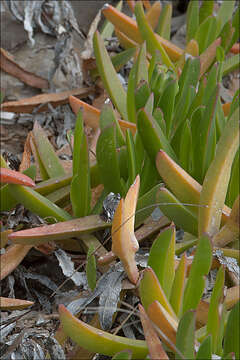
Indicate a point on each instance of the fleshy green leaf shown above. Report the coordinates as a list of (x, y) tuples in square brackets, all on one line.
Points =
[(46, 152), (80, 186), (233, 187), (158, 116), (230, 64), (206, 33), (232, 333), (154, 344), (132, 171), (217, 178), (124, 242), (60, 231), (185, 153), (200, 267), (216, 311), (177, 292), (149, 176), (151, 290), (161, 258), (192, 19), (189, 77), (142, 94), (123, 355), (109, 76), (153, 138), (150, 37), (205, 10), (167, 103), (108, 28), (181, 215), (38, 204), (184, 187), (142, 65), (108, 117), (186, 335), (224, 13), (107, 159), (60, 197), (164, 24), (205, 349), (9, 176), (206, 143), (146, 204), (97, 340), (131, 108)]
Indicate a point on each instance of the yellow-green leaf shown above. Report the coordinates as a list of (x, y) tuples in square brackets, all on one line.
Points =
[(109, 76), (99, 341), (161, 258), (217, 178)]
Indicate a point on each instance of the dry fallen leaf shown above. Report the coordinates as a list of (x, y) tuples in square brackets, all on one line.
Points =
[(27, 105), (9, 66)]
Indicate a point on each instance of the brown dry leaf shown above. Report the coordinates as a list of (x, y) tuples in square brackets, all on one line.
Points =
[(26, 157), (29, 104), (154, 344), (12, 258), (14, 304), (9, 66)]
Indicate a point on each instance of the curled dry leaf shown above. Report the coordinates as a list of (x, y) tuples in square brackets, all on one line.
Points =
[(12, 258), (124, 242), (8, 176), (9, 66), (27, 105), (14, 304)]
